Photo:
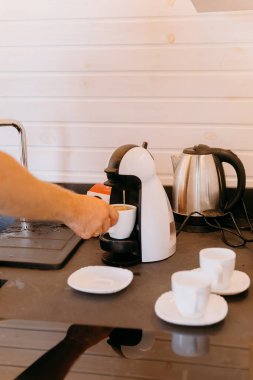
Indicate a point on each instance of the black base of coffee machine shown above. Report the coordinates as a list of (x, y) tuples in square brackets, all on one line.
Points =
[(119, 253)]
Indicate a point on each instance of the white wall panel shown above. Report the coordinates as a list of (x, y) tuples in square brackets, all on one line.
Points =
[(134, 31), (125, 58), (124, 84), (76, 9), (89, 136), (87, 76), (153, 110)]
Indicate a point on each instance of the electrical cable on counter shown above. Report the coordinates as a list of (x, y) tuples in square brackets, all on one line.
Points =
[(207, 215)]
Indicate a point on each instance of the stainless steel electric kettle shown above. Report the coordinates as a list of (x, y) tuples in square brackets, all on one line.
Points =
[(200, 183)]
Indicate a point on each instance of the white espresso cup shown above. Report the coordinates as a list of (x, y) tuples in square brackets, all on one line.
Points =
[(191, 291), (218, 264), (125, 224)]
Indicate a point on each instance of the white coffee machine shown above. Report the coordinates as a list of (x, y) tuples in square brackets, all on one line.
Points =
[(132, 175)]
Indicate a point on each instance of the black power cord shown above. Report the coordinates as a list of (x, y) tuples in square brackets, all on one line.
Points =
[(211, 219)]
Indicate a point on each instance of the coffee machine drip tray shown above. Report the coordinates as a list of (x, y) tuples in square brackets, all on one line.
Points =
[(37, 245), (119, 253)]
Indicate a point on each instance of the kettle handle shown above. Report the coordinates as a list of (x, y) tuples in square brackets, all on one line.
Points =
[(231, 158)]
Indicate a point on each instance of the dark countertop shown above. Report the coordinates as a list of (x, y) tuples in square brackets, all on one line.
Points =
[(43, 295)]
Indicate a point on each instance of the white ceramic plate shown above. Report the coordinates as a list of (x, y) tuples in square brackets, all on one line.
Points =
[(240, 282), (166, 309), (100, 279)]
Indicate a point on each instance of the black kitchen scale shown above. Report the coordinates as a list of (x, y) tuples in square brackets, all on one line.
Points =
[(41, 245)]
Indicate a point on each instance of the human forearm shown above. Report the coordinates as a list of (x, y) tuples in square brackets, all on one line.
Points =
[(24, 196)]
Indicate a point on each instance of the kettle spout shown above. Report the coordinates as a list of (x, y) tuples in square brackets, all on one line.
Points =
[(175, 160)]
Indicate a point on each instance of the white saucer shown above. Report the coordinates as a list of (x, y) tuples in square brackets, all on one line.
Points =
[(216, 311), (100, 279), (240, 282)]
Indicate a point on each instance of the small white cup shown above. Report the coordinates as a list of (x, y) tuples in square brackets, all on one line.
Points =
[(218, 264), (125, 224), (191, 291)]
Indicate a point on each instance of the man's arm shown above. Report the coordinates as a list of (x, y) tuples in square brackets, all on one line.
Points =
[(24, 196)]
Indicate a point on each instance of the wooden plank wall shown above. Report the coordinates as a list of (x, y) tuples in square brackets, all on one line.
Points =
[(87, 76)]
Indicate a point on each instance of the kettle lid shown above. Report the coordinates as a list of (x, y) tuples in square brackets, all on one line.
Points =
[(200, 149)]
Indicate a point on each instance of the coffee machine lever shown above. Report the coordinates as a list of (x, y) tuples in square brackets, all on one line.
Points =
[(131, 171)]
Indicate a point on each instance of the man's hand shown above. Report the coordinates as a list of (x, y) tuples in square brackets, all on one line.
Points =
[(90, 216)]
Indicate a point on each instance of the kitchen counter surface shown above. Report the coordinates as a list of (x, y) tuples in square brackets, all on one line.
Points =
[(43, 295)]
